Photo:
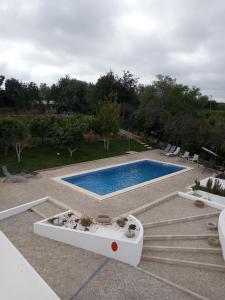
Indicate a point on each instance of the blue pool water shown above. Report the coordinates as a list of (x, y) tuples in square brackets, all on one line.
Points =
[(105, 181)]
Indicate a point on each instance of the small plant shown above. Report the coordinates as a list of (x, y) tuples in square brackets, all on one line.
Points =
[(121, 222), (86, 221), (209, 184), (196, 186), (132, 227), (213, 188)]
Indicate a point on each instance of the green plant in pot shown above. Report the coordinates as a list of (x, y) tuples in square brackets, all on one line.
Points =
[(121, 222), (86, 222)]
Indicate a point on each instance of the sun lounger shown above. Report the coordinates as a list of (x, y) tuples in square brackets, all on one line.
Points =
[(12, 178), (174, 153), (166, 149), (25, 171), (172, 149)]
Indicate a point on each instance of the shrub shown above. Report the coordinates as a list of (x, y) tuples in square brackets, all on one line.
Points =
[(121, 222), (86, 221)]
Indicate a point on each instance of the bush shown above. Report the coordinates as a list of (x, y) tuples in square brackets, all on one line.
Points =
[(86, 221)]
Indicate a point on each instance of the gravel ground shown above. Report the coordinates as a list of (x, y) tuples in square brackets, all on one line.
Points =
[(118, 281), (207, 283)]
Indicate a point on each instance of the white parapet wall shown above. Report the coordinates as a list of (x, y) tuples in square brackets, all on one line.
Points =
[(20, 208), (18, 279), (104, 241), (221, 230), (208, 198)]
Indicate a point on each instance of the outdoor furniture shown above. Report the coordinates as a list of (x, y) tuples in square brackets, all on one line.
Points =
[(175, 153), (194, 158), (172, 149), (25, 171), (184, 156), (12, 178), (166, 149)]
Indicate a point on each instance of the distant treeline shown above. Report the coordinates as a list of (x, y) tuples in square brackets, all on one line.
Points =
[(164, 109)]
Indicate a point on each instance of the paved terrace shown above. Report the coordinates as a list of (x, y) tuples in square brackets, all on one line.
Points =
[(77, 274), (18, 193)]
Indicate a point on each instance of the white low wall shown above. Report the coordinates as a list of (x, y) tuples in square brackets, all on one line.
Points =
[(18, 279), (221, 230), (20, 208), (129, 251), (209, 199)]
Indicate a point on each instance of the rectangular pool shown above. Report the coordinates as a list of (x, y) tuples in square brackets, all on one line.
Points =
[(109, 181)]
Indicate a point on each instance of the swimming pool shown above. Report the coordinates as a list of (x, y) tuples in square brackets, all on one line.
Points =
[(109, 181)]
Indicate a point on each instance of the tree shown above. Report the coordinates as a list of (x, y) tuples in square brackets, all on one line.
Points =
[(69, 134), (108, 119), (41, 127), (120, 89), (72, 95), (13, 133)]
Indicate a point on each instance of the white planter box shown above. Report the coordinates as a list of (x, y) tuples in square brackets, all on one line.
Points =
[(129, 250), (209, 199)]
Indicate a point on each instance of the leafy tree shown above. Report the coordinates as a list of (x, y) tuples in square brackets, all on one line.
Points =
[(41, 127), (121, 89), (21, 95), (13, 133), (72, 95), (69, 134), (107, 120)]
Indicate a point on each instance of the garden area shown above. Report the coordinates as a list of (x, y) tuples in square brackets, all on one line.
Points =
[(41, 142)]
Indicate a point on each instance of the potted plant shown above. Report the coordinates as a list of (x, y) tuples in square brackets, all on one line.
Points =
[(121, 222), (86, 222)]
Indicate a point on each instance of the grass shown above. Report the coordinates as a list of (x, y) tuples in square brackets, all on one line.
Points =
[(43, 157)]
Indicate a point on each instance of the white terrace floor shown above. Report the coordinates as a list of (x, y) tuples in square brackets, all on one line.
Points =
[(163, 273)]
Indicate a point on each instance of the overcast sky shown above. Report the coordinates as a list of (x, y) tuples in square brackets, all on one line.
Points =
[(42, 40)]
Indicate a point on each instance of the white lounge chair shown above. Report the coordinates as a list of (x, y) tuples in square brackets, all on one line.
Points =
[(175, 153), (172, 149), (184, 156), (194, 158), (166, 149), (12, 178)]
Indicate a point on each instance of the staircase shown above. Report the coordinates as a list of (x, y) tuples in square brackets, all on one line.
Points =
[(176, 246), (50, 208)]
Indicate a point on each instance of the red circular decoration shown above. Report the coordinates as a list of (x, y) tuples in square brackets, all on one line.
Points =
[(114, 246)]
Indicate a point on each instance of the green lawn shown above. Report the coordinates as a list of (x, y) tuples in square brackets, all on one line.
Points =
[(43, 157)]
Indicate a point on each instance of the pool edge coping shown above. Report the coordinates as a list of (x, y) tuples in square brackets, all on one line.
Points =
[(60, 180)]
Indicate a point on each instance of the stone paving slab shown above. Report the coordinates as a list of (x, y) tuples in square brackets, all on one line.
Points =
[(207, 283), (117, 281)]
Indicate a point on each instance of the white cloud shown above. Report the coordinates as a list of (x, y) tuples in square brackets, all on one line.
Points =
[(42, 40)]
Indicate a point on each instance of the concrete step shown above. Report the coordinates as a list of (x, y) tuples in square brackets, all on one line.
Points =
[(47, 209), (200, 243), (182, 249), (185, 263), (180, 220), (166, 237), (175, 207), (148, 206), (199, 257), (205, 282), (191, 228)]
